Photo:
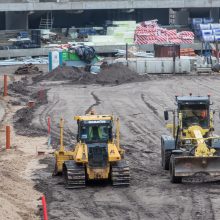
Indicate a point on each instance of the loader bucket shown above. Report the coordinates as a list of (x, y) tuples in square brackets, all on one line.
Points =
[(190, 166)]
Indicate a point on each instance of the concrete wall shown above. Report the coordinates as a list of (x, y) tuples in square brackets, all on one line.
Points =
[(99, 49), (110, 4), (214, 13), (16, 20), (2, 20)]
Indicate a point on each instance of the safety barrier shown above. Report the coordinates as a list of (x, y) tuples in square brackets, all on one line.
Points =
[(44, 204), (8, 134), (5, 85)]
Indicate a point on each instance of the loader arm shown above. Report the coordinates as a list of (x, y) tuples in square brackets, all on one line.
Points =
[(202, 149)]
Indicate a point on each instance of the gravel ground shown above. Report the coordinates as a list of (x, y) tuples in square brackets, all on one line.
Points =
[(140, 107)]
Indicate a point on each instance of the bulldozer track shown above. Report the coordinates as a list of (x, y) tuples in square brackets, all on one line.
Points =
[(74, 175), (120, 174)]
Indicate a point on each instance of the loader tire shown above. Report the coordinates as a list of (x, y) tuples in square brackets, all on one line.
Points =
[(165, 158), (173, 178)]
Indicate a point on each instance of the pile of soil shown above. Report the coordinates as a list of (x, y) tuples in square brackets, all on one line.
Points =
[(63, 73), (19, 87), (40, 96), (23, 117), (118, 74), (28, 69), (110, 74), (22, 123)]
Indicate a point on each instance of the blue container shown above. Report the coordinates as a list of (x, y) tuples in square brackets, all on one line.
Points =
[(206, 32), (215, 26), (197, 21), (216, 31), (217, 37), (23, 34), (207, 20), (205, 26)]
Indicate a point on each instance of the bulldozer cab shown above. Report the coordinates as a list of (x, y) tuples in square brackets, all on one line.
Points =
[(95, 131), (195, 111), (96, 134)]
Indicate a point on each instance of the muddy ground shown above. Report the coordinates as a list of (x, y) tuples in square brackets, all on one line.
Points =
[(140, 106)]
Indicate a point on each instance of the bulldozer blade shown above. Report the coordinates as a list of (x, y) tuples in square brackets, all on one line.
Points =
[(190, 166)]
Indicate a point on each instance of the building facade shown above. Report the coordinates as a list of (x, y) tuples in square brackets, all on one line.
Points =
[(24, 14)]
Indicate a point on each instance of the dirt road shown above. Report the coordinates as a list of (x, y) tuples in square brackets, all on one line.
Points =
[(140, 107)]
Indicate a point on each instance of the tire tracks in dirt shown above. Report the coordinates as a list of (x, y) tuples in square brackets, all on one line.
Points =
[(97, 102), (48, 112), (152, 108), (202, 205), (145, 170), (133, 155)]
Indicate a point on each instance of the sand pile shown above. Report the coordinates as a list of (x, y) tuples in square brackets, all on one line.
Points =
[(111, 74)]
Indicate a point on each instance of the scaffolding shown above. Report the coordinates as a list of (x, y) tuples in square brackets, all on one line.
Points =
[(47, 23)]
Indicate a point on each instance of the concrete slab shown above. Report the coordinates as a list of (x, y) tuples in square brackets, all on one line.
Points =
[(99, 50), (113, 4)]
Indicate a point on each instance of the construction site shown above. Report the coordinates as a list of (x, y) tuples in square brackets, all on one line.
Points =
[(109, 110)]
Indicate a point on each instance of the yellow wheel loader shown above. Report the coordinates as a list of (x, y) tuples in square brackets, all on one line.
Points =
[(193, 149), (97, 155)]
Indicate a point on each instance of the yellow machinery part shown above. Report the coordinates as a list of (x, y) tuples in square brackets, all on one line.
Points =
[(81, 153), (96, 173), (93, 117), (201, 149), (61, 157), (113, 154)]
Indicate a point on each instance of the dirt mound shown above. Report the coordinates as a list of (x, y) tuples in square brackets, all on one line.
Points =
[(22, 123), (111, 74), (117, 74), (62, 73), (28, 69), (19, 87)]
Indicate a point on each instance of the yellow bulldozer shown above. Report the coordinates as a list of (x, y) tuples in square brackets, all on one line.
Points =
[(193, 149), (97, 154)]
